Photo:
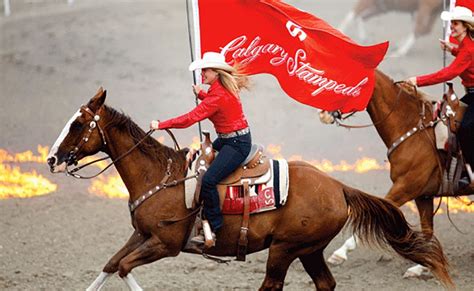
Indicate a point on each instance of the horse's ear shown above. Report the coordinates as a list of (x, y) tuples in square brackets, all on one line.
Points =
[(98, 100)]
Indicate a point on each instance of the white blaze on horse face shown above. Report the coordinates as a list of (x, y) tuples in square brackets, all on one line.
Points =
[(54, 149)]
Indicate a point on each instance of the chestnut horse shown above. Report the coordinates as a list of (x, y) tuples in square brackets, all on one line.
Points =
[(415, 165), (318, 207), (427, 11)]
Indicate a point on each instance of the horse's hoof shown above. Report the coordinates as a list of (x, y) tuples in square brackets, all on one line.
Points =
[(336, 260), (411, 274), (415, 272)]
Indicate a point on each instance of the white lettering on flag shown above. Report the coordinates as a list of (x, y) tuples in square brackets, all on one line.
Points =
[(296, 67)]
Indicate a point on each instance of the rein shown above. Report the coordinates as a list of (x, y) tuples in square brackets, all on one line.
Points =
[(73, 171), (338, 123), (95, 124)]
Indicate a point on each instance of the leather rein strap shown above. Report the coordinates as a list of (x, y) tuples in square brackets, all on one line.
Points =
[(419, 127), (95, 124), (378, 122)]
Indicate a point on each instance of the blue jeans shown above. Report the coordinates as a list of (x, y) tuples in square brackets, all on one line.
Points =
[(232, 152), (466, 130)]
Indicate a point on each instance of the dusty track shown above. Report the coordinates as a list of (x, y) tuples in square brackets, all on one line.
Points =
[(53, 57)]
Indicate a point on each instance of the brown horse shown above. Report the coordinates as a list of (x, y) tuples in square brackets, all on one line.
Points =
[(427, 11), (318, 206), (415, 165)]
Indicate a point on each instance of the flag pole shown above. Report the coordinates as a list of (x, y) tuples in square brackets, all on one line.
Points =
[(445, 38), (446, 32), (197, 48)]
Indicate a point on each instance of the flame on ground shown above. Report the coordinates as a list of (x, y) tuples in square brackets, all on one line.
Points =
[(25, 157), (453, 204), (17, 184), (362, 165), (110, 186)]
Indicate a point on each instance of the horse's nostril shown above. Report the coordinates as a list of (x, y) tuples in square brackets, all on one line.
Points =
[(51, 161)]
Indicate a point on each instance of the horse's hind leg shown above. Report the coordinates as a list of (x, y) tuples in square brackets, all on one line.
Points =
[(317, 269), (339, 256), (279, 260)]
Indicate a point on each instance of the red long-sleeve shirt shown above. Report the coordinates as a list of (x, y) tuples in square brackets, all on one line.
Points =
[(222, 108), (462, 66)]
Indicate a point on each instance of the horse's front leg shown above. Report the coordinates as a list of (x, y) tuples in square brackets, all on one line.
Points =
[(151, 250), (136, 240), (112, 265), (279, 259)]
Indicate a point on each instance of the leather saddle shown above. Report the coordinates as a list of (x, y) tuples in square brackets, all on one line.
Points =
[(250, 172), (251, 169)]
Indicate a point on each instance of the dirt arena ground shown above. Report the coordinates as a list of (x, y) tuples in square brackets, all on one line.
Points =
[(53, 57)]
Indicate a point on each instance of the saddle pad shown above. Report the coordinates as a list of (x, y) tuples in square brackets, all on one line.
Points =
[(190, 185), (263, 197)]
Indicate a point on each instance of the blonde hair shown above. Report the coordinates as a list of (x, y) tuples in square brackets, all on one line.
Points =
[(233, 82), (470, 29)]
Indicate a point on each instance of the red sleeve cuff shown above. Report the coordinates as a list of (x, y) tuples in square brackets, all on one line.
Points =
[(202, 95), (455, 51), (164, 124)]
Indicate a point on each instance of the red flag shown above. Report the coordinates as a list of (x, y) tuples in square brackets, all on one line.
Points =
[(313, 62)]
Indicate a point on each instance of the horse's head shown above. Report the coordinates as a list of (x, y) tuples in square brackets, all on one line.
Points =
[(81, 136), (454, 110)]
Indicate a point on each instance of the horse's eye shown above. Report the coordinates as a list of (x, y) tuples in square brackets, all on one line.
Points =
[(76, 125)]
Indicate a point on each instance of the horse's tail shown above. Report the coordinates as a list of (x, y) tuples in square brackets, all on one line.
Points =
[(379, 221)]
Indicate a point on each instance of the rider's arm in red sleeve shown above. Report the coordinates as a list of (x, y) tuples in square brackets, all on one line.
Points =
[(459, 65), (205, 109), (455, 51), (201, 95)]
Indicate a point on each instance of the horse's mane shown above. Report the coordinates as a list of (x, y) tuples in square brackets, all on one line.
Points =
[(423, 96), (150, 146), (410, 90)]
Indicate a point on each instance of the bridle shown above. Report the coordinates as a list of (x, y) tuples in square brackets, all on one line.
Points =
[(165, 183), (338, 116), (421, 126), (71, 158)]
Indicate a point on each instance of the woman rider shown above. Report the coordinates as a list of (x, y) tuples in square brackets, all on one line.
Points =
[(462, 29), (221, 105)]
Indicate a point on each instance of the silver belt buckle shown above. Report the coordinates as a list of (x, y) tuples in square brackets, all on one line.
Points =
[(234, 133)]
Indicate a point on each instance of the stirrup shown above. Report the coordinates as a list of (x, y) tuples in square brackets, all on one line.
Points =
[(463, 183), (201, 240), (469, 172)]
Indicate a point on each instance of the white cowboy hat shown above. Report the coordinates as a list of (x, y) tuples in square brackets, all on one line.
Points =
[(211, 60), (458, 13)]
